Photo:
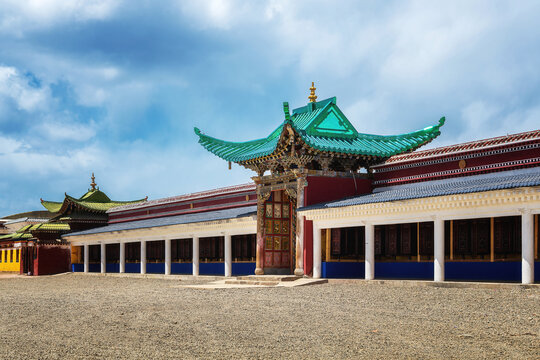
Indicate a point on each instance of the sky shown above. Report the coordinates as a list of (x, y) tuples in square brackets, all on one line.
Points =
[(116, 87)]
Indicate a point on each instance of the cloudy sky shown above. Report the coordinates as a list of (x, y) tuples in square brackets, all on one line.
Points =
[(116, 87)]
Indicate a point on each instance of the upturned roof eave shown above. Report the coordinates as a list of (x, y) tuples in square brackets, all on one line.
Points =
[(382, 146), (234, 153)]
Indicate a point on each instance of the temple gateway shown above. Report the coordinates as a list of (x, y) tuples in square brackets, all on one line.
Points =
[(329, 201), (315, 144)]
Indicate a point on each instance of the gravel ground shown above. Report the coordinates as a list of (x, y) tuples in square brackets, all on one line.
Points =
[(76, 316)]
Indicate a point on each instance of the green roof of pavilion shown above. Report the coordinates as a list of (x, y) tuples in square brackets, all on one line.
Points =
[(21, 234), (324, 127), (16, 236), (94, 200)]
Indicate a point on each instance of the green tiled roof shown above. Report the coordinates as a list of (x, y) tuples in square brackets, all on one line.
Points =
[(24, 228), (50, 227), (52, 206), (324, 127), (94, 200), (16, 236)]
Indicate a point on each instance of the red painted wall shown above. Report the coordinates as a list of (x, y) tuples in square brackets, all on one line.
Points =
[(184, 208), (448, 163), (322, 189), (308, 247), (52, 259)]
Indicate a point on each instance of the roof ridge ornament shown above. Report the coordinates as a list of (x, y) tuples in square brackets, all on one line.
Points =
[(312, 97), (93, 183), (287, 111)]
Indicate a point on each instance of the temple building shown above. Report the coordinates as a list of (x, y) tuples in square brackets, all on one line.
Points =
[(38, 245), (14, 235), (328, 201)]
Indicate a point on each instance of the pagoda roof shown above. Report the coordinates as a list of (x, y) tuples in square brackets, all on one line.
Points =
[(16, 236), (21, 234), (323, 127), (26, 232), (94, 200), (50, 227)]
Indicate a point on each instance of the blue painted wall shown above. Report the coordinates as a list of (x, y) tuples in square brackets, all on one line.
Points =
[(112, 268), (134, 268), (483, 271), (155, 268), (404, 270), (182, 268), (243, 268), (465, 270), (94, 267), (77, 267), (212, 269), (343, 270)]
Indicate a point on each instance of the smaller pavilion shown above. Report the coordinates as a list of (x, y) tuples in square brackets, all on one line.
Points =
[(42, 250)]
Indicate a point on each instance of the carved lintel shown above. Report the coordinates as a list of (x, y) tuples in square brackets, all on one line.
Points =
[(291, 192), (263, 194)]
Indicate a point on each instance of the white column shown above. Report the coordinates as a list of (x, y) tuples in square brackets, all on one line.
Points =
[(316, 252), (195, 256), (86, 258), (143, 257), (122, 257), (438, 246), (299, 270), (103, 258), (527, 248), (167, 256), (369, 261), (228, 255)]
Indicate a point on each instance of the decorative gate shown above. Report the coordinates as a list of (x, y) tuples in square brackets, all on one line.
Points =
[(277, 230)]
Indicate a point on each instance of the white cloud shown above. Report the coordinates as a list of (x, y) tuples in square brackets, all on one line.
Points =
[(9, 145), (479, 117), (14, 86), (229, 14), (29, 161), (20, 16), (62, 130)]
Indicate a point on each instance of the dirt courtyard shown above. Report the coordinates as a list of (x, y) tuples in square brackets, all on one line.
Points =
[(77, 316)]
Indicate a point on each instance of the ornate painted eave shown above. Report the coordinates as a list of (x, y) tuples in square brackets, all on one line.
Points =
[(322, 128)]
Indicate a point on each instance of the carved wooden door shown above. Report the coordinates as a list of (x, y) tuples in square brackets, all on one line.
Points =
[(277, 230)]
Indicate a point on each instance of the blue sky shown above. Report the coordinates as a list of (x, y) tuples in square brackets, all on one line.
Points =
[(116, 87)]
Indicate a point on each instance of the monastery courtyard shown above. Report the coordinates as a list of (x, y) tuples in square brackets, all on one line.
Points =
[(77, 316)]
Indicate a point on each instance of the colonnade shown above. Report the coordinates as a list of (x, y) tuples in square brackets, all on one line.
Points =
[(168, 262), (527, 249)]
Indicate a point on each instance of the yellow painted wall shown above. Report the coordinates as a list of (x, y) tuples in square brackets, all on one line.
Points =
[(6, 264), (76, 255)]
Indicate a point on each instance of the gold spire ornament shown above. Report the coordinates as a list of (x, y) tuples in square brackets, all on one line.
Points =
[(312, 97), (93, 183)]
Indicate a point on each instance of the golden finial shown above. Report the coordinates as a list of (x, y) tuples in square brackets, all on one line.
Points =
[(312, 97), (93, 183)]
